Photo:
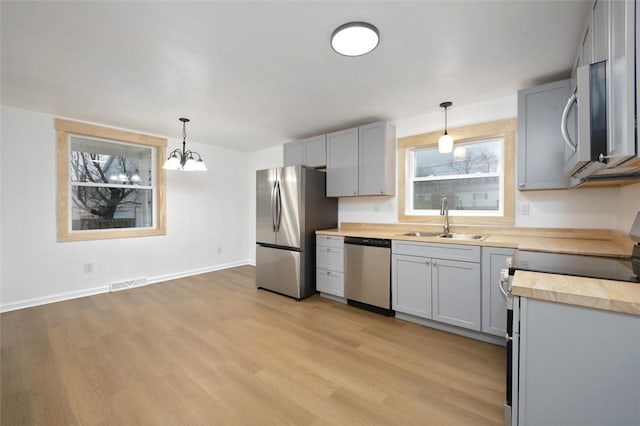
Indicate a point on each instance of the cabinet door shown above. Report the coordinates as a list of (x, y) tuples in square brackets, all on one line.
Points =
[(540, 142), (600, 30), (456, 293), (411, 285), (494, 304), (315, 151), (578, 366), (293, 153), (587, 44), (375, 157), (621, 75), (342, 163)]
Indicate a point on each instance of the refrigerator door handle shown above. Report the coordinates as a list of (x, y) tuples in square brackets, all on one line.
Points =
[(273, 207), (278, 206)]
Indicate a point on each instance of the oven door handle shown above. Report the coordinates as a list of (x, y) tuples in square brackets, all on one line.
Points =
[(504, 278)]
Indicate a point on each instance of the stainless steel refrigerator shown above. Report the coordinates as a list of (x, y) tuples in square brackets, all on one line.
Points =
[(290, 206)]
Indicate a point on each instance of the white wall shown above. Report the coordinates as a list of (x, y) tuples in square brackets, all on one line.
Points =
[(258, 160), (206, 212), (627, 207)]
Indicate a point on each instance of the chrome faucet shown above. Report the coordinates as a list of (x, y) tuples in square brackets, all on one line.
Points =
[(444, 211)]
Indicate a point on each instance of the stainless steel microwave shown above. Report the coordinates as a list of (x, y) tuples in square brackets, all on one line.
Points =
[(584, 123)]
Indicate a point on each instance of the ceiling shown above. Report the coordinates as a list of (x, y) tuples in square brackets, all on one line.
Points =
[(252, 75)]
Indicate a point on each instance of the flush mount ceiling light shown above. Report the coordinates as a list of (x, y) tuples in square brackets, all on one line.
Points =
[(445, 143), (183, 160), (355, 38)]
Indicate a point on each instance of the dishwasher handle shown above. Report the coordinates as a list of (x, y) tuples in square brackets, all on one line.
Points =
[(372, 242)]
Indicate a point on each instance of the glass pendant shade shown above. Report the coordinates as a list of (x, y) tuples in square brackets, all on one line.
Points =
[(200, 166), (190, 165), (445, 143), (172, 163)]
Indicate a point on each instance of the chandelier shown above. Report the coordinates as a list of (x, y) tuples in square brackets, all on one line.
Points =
[(183, 160)]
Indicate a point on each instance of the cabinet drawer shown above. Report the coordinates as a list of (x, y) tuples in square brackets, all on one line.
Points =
[(330, 282), (330, 258), (461, 252), (329, 241)]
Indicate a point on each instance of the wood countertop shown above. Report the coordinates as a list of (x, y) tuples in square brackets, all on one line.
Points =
[(593, 242), (595, 293)]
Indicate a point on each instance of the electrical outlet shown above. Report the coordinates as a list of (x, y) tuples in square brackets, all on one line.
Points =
[(522, 209), (88, 268)]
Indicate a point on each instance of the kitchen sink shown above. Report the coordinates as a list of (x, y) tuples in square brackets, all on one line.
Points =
[(422, 234), (463, 236), (452, 236)]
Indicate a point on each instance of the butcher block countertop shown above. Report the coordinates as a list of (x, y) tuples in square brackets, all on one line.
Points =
[(608, 295), (594, 242), (595, 293)]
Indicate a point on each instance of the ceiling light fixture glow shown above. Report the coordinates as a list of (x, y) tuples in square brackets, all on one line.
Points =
[(355, 39)]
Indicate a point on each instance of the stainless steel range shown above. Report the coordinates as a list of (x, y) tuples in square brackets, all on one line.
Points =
[(617, 269)]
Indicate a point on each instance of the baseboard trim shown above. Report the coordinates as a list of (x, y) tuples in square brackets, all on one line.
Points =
[(60, 297)]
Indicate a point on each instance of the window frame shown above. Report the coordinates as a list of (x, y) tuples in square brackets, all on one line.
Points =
[(65, 129), (501, 129)]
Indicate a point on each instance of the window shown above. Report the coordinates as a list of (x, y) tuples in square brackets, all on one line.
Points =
[(110, 183), (477, 178)]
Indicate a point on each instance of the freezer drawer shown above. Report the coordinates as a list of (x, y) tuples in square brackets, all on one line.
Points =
[(279, 270)]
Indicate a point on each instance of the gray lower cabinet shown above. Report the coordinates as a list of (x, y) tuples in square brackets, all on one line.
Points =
[(577, 365), (456, 293), (330, 265), (540, 143), (437, 281), (411, 285), (308, 152), (494, 303)]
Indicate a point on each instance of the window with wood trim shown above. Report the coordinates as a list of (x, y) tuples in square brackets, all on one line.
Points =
[(477, 177), (110, 183)]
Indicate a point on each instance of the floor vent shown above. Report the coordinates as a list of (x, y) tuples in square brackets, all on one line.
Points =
[(123, 285)]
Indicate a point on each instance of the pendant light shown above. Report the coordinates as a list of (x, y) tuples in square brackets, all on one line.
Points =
[(183, 160), (355, 39), (445, 143)]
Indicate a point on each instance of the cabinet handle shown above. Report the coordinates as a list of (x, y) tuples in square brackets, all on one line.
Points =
[(521, 185), (435, 263), (428, 262), (328, 273), (382, 191), (355, 192), (328, 249)]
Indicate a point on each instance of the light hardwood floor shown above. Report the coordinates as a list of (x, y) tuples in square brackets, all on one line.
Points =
[(213, 350)]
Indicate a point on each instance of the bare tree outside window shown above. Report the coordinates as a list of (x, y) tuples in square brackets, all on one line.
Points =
[(111, 185), (470, 181)]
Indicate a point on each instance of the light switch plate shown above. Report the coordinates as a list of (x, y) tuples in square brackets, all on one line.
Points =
[(522, 209)]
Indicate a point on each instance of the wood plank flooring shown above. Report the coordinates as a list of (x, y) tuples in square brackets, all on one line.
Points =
[(213, 350)]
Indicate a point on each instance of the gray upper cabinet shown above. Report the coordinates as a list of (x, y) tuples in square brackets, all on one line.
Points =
[(540, 143), (293, 153), (361, 161), (621, 75), (342, 163), (600, 30), (377, 159), (308, 152), (456, 293), (494, 303)]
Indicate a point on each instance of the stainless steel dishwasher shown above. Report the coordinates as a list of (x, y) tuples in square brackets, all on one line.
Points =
[(367, 273)]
